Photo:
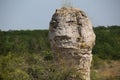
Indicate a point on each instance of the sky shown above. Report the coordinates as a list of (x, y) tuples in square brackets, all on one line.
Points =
[(36, 14)]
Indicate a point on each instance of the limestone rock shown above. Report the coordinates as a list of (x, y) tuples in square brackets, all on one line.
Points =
[(71, 37)]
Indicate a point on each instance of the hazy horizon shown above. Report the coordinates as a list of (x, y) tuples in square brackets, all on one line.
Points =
[(36, 14)]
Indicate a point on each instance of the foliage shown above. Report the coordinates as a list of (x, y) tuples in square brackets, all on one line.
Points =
[(36, 41), (107, 42), (26, 55), (31, 67), (24, 41)]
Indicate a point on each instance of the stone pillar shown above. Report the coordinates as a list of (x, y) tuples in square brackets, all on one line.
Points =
[(72, 39)]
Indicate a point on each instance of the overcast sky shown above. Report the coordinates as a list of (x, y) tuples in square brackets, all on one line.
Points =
[(36, 14)]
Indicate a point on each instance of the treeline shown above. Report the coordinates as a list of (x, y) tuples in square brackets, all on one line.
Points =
[(24, 41), (26, 55), (107, 42)]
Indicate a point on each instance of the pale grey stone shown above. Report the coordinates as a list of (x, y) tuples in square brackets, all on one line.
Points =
[(71, 37)]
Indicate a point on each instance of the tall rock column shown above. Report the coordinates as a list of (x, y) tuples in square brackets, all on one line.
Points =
[(72, 39)]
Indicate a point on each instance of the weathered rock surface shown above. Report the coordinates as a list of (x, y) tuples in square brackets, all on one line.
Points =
[(72, 38)]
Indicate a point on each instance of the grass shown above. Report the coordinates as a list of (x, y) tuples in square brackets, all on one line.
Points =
[(32, 66)]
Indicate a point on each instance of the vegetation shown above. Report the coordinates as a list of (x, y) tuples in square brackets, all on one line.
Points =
[(107, 42), (26, 55)]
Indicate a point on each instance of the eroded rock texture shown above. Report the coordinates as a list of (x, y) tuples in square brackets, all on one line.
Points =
[(72, 39)]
